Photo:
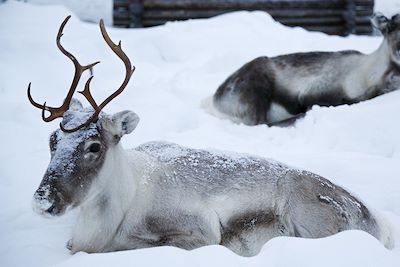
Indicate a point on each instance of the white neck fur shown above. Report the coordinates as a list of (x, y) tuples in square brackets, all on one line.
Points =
[(109, 198)]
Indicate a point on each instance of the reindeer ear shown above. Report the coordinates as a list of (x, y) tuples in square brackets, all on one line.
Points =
[(125, 122), (380, 22)]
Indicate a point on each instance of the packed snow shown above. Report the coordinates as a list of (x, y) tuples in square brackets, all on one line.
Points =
[(178, 66)]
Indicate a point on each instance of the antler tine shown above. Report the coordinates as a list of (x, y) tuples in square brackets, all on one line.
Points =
[(88, 95), (79, 69), (53, 111), (117, 49), (31, 99)]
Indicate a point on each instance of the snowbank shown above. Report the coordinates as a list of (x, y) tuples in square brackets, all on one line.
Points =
[(178, 65)]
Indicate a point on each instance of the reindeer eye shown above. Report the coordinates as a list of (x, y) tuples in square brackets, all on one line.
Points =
[(94, 148)]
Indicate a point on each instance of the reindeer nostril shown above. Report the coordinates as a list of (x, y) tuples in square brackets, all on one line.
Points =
[(39, 194), (40, 204), (51, 209)]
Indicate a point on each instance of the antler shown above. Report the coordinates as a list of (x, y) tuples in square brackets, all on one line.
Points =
[(117, 49), (79, 69)]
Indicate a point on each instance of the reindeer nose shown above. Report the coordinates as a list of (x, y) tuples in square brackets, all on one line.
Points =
[(40, 201)]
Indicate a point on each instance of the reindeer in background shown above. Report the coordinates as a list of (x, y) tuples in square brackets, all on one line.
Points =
[(278, 90), (165, 194)]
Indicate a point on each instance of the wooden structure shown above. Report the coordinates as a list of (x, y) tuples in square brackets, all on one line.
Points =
[(340, 17)]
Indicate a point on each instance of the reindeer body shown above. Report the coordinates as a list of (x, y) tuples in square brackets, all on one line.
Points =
[(272, 90), (172, 195)]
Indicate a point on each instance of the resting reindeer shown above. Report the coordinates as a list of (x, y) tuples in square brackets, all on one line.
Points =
[(164, 194), (277, 90)]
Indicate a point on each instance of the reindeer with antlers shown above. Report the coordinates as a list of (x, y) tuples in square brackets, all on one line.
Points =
[(279, 90), (165, 194)]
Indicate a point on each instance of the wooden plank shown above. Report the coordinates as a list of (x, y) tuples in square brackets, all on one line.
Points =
[(313, 21), (339, 29), (204, 13), (252, 3), (363, 20), (365, 8), (333, 30), (122, 3), (364, 31), (223, 4), (274, 12), (118, 16), (122, 23), (302, 22)]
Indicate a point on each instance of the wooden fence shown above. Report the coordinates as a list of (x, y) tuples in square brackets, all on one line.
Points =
[(340, 17)]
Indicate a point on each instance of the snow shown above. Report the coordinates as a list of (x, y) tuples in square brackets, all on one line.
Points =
[(86, 10), (178, 66), (387, 7), (281, 251)]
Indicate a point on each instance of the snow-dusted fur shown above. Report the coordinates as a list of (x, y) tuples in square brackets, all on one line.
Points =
[(278, 89), (165, 194)]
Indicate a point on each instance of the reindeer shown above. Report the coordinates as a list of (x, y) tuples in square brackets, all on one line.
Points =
[(164, 194), (278, 90)]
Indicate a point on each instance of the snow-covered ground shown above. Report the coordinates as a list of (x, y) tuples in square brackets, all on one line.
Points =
[(177, 66), (86, 10)]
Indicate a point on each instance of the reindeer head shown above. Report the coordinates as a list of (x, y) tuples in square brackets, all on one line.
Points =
[(390, 28), (79, 147)]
